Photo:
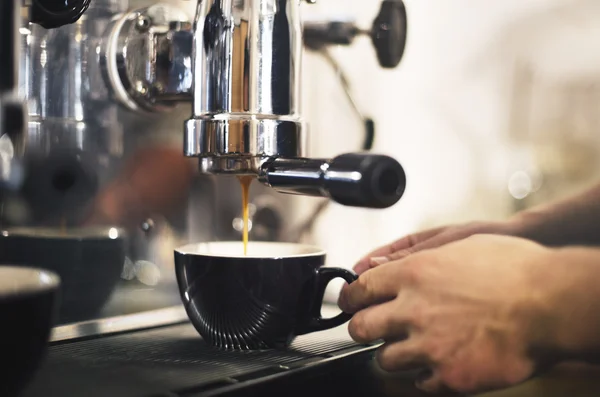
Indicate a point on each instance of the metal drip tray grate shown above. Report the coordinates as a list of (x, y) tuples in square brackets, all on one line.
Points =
[(170, 361)]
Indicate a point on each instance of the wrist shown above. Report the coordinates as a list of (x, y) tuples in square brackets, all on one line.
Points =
[(567, 325), (531, 224), (523, 223)]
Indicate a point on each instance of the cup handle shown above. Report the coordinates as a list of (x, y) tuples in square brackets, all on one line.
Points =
[(316, 322)]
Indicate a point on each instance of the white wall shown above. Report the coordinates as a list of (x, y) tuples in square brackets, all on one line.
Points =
[(445, 112)]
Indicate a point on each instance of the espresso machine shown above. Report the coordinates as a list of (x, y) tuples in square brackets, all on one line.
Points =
[(127, 123), (141, 115)]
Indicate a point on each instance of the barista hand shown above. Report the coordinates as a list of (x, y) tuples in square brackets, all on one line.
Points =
[(572, 221), (473, 311), (431, 239)]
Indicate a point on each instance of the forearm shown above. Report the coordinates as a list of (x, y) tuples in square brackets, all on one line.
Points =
[(574, 221), (571, 326)]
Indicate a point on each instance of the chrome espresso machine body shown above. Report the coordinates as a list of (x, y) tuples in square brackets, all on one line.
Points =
[(239, 62), (12, 109), (109, 86)]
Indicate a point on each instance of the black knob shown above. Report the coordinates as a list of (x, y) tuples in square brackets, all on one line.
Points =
[(56, 13), (389, 33), (365, 180)]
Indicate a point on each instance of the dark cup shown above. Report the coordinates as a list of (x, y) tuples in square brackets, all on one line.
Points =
[(28, 303), (262, 300), (88, 261)]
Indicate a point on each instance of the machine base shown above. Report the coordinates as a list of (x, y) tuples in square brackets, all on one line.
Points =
[(174, 361)]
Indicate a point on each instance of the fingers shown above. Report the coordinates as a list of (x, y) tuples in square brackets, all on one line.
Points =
[(383, 321), (408, 242), (376, 286), (409, 355), (365, 263), (430, 382), (396, 250), (401, 356), (436, 241)]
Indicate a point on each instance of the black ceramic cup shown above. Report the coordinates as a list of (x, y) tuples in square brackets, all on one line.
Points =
[(256, 301), (28, 306), (88, 261)]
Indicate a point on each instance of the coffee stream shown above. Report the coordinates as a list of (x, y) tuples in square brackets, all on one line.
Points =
[(245, 182)]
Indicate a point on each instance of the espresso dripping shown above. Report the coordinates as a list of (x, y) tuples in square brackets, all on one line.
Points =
[(245, 182)]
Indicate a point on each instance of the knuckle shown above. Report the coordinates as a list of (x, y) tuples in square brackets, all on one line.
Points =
[(458, 380), (417, 316), (411, 271), (352, 296), (364, 285), (434, 351), (389, 325), (385, 360), (413, 239), (398, 254), (359, 328)]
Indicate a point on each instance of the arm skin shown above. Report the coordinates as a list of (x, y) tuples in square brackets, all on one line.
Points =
[(574, 221), (575, 304)]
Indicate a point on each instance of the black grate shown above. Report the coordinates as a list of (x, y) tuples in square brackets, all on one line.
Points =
[(166, 360)]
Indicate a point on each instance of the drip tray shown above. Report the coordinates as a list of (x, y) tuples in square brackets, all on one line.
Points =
[(171, 361)]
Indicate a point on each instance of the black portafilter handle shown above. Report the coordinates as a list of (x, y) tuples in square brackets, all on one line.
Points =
[(355, 179)]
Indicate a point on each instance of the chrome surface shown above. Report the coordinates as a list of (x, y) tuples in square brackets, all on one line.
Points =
[(111, 325), (60, 77), (12, 111), (297, 176), (246, 88), (91, 162), (239, 144), (147, 58)]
